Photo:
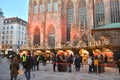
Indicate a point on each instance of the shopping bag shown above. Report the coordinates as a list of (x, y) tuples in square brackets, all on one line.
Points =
[(20, 72)]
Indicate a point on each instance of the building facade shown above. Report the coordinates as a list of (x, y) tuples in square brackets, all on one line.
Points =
[(1, 24), (14, 33), (53, 23)]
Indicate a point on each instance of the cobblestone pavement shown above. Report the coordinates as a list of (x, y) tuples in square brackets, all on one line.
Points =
[(46, 73)]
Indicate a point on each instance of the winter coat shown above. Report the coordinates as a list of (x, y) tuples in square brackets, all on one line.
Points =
[(14, 67), (28, 63)]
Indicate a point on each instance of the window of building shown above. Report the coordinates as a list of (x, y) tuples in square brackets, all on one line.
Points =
[(18, 42), (11, 32), (4, 28), (6, 42), (2, 42), (19, 33), (7, 32), (11, 27), (11, 37), (55, 5), (6, 21), (3, 37), (82, 14), (70, 16), (19, 27), (3, 32), (49, 6), (6, 37), (21, 42), (23, 29), (9, 20), (100, 16), (115, 11), (7, 27), (10, 41), (41, 6), (20, 21), (35, 9)]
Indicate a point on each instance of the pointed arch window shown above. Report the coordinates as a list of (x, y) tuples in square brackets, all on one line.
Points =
[(41, 7), (37, 36), (49, 6), (35, 9), (51, 37), (115, 11), (70, 16), (82, 14), (100, 14), (55, 5)]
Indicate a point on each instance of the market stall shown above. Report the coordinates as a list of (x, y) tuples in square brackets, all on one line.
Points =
[(108, 54), (61, 62), (84, 53)]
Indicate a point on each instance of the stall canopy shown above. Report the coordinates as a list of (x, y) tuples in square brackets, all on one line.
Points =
[(107, 52), (68, 52), (60, 52), (38, 52), (48, 52), (97, 52)]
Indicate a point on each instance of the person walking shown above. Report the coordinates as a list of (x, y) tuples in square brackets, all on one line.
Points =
[(34, 60), (23, 59), (54, 60), (91, 64), (38, 61), (69, 62), (78, 62), (14, 67), (28, 66), (59, 61)]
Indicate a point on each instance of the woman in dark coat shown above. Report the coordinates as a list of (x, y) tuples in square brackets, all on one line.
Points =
[(14, 67)]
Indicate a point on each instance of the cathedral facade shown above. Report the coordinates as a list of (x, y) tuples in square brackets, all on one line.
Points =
[(52, 23)]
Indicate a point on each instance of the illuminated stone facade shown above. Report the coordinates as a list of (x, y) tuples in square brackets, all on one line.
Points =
[(56, 22)]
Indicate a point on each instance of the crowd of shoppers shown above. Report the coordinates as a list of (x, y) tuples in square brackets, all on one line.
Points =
[(31, 62)]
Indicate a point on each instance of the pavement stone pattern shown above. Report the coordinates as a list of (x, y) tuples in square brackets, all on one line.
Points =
[(46, 73)]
